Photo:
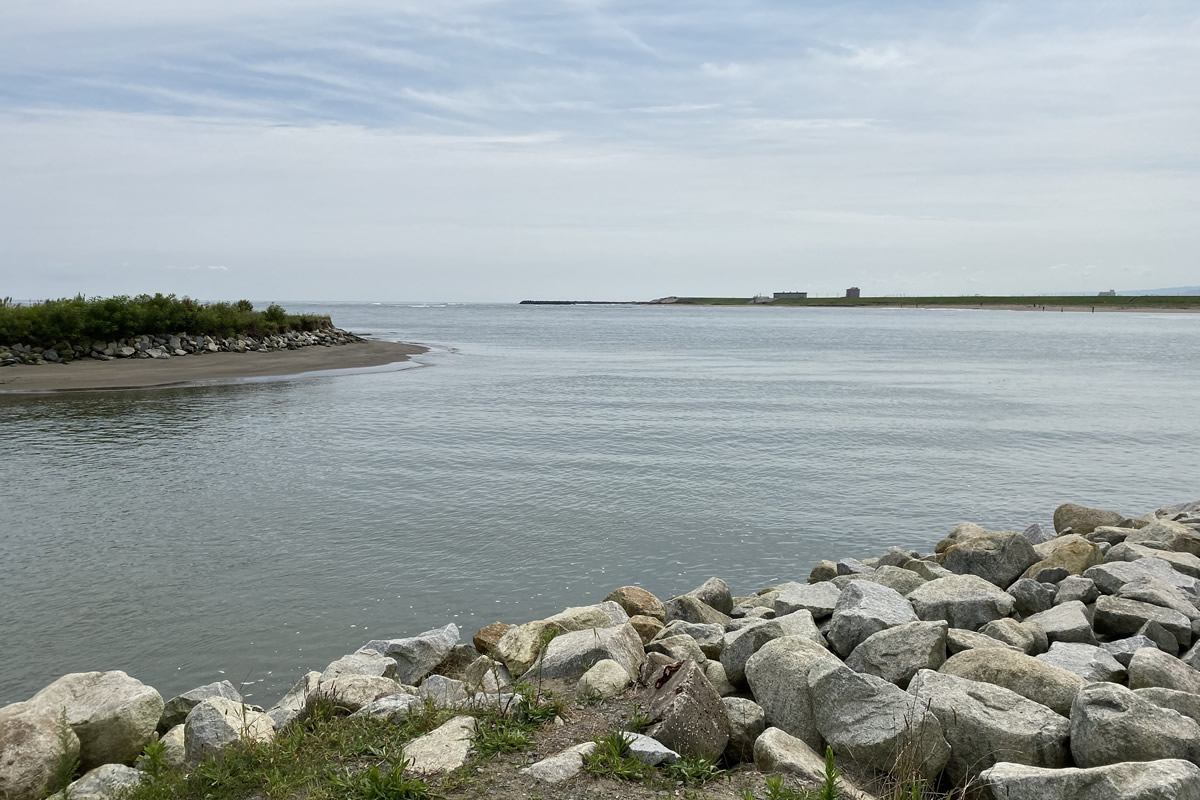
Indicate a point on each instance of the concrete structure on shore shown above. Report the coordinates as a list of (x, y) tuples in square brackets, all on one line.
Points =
[(853, 291), (791, 295), (1109, 293)]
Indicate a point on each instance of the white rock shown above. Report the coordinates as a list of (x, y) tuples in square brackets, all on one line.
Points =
[(561, 766), (442, 750), (1146, 780), (650, 752), (605, 679), (416, 656)]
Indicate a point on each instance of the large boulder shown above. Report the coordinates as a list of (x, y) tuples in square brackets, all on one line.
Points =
[(1053, 687), (176, 709), (678, 648), (746, 721), (1186, 563), (1156, 591), (1088, 661), (113, 714), (605, 679), (1149, 668), (1112, 575), (218, 722), (352, 692), (1065, 623), (998, 557), (819, 599), (689, 716), (778, 677), (1118, 617), (488, 637), (1029, 639), (708, 637), (1111, 724), (364, 662), (638, 602), (1072, 553), (881, 725), (902, 580), (1123, 649), (520, 646), (292, 705), (107, 782), (1185, 703), (32, 745), (984, 724), (714, 593), (688, 608), (896, 654), (964, 601), (1032, 597), (443, 749), (1167, 535), (416, 656), (1133, 780), (958, 640), (864, 608), (581, 618), (1083, 520), (775, 751), (569, 655), (741, 644)]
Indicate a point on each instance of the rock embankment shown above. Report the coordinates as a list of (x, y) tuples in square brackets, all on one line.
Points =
[(176, 345), (1030, 664)]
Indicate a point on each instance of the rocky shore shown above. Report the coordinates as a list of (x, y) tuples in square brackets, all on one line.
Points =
[(177, 345), (1036, 664)]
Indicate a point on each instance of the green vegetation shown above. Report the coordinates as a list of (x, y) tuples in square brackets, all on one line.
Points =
[(693, 770), (66, 768), (1142, 301), (612, 759), (82, 319)]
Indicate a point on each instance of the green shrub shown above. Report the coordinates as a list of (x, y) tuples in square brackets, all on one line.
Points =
[(82, 320)]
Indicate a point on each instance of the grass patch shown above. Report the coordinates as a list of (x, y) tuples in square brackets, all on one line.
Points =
[(693, 770), (325, 758), (84, 320), (612, 759)]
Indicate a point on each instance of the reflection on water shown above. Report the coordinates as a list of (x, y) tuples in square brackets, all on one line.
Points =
[(545, 456)]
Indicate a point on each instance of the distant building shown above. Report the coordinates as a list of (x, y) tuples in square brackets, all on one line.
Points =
[(791, 295), (853, 291), (1109, 293)]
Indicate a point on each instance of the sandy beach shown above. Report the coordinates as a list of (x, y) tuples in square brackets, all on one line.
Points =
[(91, 375)]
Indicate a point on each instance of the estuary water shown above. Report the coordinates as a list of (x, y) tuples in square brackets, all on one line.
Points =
[(542, 456)]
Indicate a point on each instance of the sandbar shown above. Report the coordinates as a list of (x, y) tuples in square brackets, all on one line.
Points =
[(144, 373)]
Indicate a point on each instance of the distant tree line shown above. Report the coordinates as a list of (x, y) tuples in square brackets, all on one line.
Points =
[(84, 319)]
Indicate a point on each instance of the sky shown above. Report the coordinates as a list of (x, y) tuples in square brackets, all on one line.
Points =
[(496, 150)]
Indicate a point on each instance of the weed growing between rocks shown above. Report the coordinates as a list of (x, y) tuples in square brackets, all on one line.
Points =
[(67, 767), (612, 759), (639, 720), (693, 770), (376, 784)]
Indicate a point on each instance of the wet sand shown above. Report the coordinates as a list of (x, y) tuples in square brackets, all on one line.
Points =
[(145, 373)]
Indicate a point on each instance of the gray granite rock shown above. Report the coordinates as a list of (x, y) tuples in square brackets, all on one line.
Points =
[(747, 720), (1145, 780), (819, 599), (1051, 686), (416, 656), (1111, 724), (1065, 623), (1088, 661), (1118, 617), (896, 654), (176, 709), (985, 724), (999, 557), (778, 677), (964, 601), (1031, 597), (864, 608), (740, 645), (873, 719), (1151, 667)]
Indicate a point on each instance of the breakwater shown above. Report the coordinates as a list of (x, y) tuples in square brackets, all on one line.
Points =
[(172, 346), (1035, 664)]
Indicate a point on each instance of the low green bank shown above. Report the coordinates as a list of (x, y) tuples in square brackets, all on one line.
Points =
[(1141, 301), (87, 319)]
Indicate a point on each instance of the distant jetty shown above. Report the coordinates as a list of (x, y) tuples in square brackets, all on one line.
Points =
[(582, 303)]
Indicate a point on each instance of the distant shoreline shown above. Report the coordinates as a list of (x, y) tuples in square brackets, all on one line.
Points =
[(1057, 304), (212, 368)]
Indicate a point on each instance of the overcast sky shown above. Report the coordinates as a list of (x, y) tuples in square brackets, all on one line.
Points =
[(504, 149)]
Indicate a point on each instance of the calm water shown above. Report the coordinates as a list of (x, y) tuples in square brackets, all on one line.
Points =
[(545, 455)]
